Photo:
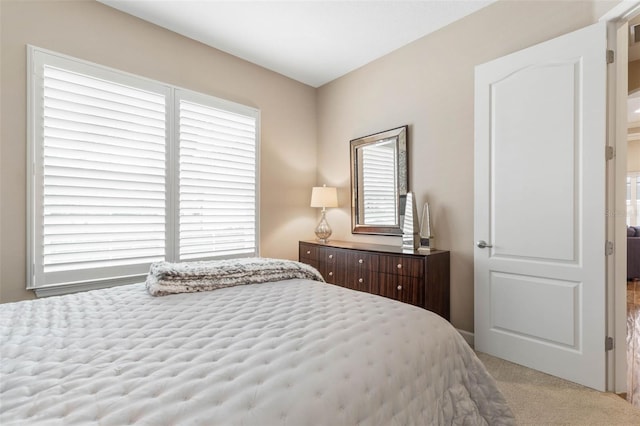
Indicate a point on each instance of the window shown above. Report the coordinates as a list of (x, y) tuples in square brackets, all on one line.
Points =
[(217, 182), (125, 171), (633, 198)]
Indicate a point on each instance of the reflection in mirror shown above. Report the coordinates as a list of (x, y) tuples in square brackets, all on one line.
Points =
[(379, 181), (379, 185)]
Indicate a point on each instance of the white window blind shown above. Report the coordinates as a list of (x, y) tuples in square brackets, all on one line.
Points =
[(217, 182), (379, 183), (125, 171), (104, 167)]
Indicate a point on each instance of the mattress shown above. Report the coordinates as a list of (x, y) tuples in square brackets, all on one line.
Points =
[(292, 352)]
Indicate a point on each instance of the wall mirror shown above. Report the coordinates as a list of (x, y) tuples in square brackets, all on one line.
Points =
[(379, 182)]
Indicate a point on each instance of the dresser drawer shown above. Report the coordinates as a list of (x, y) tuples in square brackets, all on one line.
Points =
[(331, 256), (362, 270), (308, 254), (402, 265), (311, 262), (402, 288), (332, 264), (363, 261), (308, 251)]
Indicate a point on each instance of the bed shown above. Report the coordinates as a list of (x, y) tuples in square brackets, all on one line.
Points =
[(290, 352)]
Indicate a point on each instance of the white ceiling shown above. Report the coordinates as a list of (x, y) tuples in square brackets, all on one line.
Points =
[(313, 42)]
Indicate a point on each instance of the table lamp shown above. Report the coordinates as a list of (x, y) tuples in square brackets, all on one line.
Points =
[(324, 196)]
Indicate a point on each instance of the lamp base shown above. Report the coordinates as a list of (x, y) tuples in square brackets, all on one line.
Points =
[(323, 230)]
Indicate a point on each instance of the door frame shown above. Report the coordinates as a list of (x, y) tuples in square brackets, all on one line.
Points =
[(617, 79)]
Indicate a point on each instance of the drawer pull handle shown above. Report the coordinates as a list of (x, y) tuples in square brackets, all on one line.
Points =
[(399, 287), (360, 280), (330, 256), (308, 251), (360, 261), (399, 265), (330, 274)]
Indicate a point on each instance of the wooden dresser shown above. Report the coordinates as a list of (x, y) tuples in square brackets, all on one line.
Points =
[(415, 277)]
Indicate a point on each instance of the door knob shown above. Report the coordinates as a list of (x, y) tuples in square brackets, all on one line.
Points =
[(483, 244)]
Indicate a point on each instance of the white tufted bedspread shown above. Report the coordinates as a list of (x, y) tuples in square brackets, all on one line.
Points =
[(293, 352)]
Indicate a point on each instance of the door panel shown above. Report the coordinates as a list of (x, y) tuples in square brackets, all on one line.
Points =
[(559, 300), (535, 166), (540, 128)]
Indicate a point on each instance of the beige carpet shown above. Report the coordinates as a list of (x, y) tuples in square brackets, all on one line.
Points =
[(539, 399)]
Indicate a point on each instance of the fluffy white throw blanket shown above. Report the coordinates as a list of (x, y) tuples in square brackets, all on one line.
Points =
[(169, 278)]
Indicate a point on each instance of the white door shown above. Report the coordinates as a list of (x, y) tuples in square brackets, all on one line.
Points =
[(540, 129)]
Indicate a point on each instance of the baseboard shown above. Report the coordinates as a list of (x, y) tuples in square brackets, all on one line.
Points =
[(467, 336)]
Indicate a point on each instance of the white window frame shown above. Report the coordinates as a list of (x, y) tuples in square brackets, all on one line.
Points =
[(36, 58)]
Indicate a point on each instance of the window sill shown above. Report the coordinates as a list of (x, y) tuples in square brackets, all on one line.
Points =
[(60, 289)]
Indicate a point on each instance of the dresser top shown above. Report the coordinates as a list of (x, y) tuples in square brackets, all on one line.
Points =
[(378, 248)]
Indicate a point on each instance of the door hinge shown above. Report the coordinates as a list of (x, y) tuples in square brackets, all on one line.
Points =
[(609, 248), (610, 152), (608, 343), (610, 56)]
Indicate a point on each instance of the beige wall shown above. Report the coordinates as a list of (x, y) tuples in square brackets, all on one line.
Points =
[(633, 156), (429, 85), (97, 33)]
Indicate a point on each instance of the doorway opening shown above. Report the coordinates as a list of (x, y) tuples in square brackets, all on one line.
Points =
[(633, 214)]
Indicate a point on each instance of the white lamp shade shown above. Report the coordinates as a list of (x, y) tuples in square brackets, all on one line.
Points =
[(324, 196)]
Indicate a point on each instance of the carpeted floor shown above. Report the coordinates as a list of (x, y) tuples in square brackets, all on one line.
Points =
[(539, 399)]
